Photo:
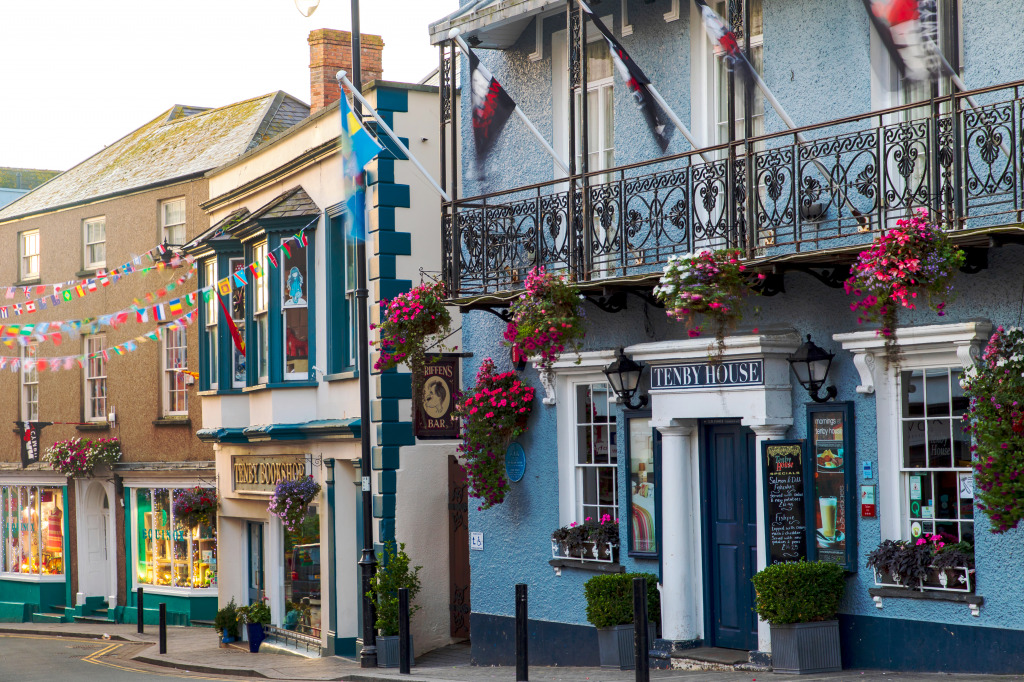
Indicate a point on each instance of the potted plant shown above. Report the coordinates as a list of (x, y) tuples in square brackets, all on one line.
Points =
[(394, 573), (77, 457), (610, 610), (493, 414), (226, 623), (589, 541), (910, 265), (291, 500), (254, 616), (926, 563), (800, 600), (410, 323), (195, 506)]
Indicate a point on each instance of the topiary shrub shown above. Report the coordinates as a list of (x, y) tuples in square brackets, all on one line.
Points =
[(610, 599), (801, 592)]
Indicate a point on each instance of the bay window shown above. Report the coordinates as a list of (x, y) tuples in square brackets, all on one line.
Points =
[(167, 552), (260, 315), (211, 316), (31, 530)]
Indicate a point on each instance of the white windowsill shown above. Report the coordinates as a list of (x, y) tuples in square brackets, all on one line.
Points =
[(177, 591), (33, 578)]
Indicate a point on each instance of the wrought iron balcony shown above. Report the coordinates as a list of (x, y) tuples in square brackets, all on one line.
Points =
[(816, 200)]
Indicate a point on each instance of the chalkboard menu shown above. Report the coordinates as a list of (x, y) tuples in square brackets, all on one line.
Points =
[(832, 503), (785, 519)]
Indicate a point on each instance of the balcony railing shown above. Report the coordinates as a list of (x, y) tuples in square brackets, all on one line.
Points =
[(821, 188)]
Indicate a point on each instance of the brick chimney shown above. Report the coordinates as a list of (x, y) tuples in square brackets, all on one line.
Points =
[(330, 51)]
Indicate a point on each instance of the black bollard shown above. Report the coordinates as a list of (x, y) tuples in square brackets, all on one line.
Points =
[(138, 605), (163, 628), (522, 636), (640, 643), (404, 650)]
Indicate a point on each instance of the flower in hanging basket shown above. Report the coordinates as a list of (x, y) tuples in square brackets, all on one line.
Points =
[(410, 323), (906, 267), (291, 500), (493, 414), (76, 458), (708, 283), (195, 506), (995, 419), (546, 318)]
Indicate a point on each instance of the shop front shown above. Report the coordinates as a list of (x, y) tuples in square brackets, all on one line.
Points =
[(34, 549)]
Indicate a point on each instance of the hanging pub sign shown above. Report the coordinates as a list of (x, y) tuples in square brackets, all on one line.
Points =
[(707, 375), (833, 493), (433, 408), (30, 441), (785, 505), (260, 473)]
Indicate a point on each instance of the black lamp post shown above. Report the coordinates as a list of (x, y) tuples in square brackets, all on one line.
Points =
[(811, 364), (624, 376)]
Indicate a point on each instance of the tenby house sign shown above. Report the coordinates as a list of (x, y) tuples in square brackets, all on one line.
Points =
[(707, 375)]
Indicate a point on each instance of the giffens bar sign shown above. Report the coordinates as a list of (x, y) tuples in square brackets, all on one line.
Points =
[(260, 473), (707, 375)]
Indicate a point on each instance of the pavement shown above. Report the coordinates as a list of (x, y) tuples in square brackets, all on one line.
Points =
[(111, 653)]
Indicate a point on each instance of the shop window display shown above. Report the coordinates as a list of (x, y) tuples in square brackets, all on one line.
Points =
[(171, 554), (31, 530), (302, 576)]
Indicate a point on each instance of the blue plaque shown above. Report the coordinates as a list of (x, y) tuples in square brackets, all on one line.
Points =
[(515, 462)]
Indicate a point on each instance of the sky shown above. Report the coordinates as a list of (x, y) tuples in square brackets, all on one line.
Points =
[(80, 74)]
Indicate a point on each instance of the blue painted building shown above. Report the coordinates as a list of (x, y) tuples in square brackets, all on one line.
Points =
[(685, 475)]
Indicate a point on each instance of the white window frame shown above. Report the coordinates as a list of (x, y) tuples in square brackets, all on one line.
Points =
[(261, 314), (165, 227), (173, 381), (29, 258), (928, 346), (89, 264), (212, 340), (29, 383), (94, 344), (567, 377)]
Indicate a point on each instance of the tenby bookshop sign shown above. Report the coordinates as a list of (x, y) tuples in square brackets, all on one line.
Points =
[(695, 375)]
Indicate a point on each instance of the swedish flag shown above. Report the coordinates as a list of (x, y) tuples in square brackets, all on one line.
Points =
[(357, 149)]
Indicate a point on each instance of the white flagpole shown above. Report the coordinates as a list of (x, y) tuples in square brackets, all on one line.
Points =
[(394, 138), (454, 35)]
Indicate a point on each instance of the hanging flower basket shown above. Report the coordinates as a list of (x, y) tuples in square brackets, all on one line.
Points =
[(708, 283), (492, 416), (411, 323), (995, 387), (195, 506), (546, 318), (911, 265), (76, 458), (291, 500)]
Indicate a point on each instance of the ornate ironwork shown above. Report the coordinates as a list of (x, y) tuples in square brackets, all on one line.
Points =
[(575, 58), (835, 189), (443, 79)]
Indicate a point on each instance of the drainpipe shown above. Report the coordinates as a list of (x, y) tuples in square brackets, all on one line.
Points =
[(332, 568)]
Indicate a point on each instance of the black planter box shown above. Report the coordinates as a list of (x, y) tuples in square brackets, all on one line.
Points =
[(388, 652), (804, 648), (615, 646)]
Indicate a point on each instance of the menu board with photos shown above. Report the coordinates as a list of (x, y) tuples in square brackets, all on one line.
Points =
[(785, 516), (832, 506)]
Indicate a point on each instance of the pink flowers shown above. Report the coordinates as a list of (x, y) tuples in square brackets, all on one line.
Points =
[(409, 321), (546, 318)]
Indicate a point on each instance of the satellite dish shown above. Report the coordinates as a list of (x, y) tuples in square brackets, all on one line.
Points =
[(307, 7)]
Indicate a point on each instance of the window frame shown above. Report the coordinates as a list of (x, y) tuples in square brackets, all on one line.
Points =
[(165, 226), (628, 417), (29, 352), (170, 379), (88, 264), (342, 328), (38, 576), (23, 255), (260, 305), (87, 378), (209, 315), (282, 281), (718, 81)]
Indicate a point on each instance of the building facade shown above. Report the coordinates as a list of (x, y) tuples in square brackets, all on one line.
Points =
[(686, 475), (97, 313)]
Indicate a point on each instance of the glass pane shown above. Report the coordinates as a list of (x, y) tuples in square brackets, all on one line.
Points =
[(601, 445), (163, 542), (174, 212), (181, 555), (52, 516), (939, 445), (912, 390), (584, 445), (599, 58), (296, 314), (589, 487), (302, 576), (204, 556), (937, 392), (584, 405), (97, 253), (642, 485), (960, 402), (914, 444), (946, 506), (29, 539), (608, 118), (600, 403), (95, 232), (145, 570), (261, 344)]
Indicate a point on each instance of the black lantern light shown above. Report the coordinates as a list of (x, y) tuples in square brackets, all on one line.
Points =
[(811, 364), (167, 254), (624, 376)]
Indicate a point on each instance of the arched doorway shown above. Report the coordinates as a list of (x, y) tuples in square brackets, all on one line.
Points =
[(96, 552)]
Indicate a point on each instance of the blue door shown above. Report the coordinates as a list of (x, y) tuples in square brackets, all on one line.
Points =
[(257, 586), (732, 561)]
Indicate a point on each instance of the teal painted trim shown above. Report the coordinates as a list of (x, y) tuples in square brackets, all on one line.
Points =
[(395, 433), (345, 646), (295, 383), (384, 411), (384, 172), (389, 118), (382, 220), (386, 530), (392, 243), (389, 289), (311, 430), (339, 316), (67, 547), (393, 386), (129, 562), (389, 99), (225, 344), (391, 150), (387, 482), (383, 267), (275, 320), (388, 194), (384, 458), (384, 506), (22, 598), (222, 435), (341, 376)]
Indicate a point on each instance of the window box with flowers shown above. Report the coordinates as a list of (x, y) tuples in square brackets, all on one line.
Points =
[(927, 563), (592, 540), (77, 457)]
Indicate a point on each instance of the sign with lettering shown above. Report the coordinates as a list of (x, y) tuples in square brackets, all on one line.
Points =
[(260, 473), (707, 375), (434, 416), (30, 441), (785, 518), (832, 490)]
